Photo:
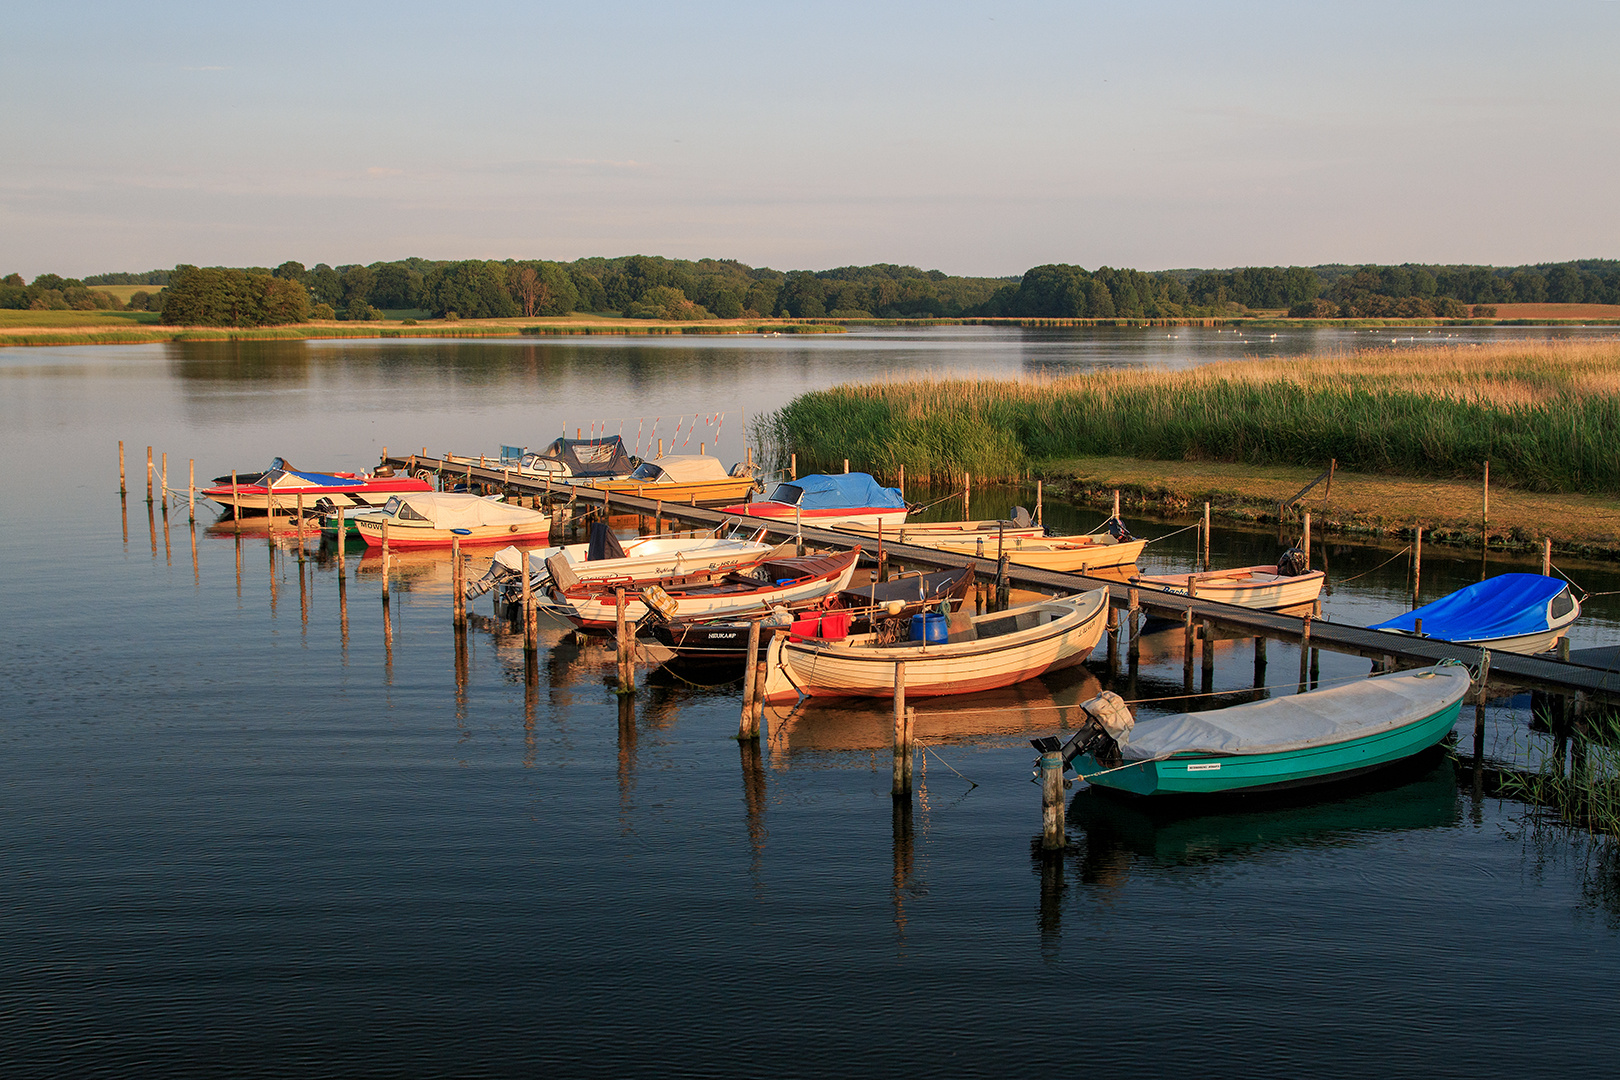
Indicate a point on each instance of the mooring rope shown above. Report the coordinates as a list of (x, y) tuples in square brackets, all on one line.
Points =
[(1380, 566), (929, 749)]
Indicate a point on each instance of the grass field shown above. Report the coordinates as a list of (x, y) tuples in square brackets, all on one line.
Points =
[(1546, 415), (11, 321)]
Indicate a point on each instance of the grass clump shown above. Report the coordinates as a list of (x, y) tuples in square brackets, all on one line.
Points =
[(1584, 793), (1545, 414)]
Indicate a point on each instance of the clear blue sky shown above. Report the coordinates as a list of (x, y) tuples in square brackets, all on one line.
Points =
[(976, 138)]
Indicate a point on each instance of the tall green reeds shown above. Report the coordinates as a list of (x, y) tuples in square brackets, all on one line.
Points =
[(1584, 792), (1545, 414)]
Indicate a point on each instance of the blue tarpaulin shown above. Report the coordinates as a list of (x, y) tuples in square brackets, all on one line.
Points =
[(840, 491), (1498, 607)]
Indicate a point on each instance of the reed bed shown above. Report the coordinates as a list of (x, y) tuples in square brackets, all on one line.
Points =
[(1584, 791), (1546, 415)]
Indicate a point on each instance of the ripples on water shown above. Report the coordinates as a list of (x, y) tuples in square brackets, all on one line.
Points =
[(235, 842)]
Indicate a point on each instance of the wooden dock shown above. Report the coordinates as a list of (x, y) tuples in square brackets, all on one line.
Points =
[(1390, 650)]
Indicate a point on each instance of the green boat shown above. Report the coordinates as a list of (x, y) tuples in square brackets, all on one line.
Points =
[(1269, 745)]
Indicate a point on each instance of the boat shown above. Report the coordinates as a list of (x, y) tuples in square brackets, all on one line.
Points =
[(1516, 613), (590, 605), (1261, 587), (631, 562), (439, 519), (921, 532), (980, 652), (826, 501), (565, 461), (1065, 554), (279, 488), (857, 610), (1269, 745), (684, 478)]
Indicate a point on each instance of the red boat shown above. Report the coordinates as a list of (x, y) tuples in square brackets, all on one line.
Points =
[(280, 487)]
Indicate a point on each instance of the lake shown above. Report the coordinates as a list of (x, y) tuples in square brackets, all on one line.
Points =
[(247, 832)]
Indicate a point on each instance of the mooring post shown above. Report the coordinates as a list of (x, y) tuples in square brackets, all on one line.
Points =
[(527, 613), (623, 630), (148, 476), (1563, 649), (1259, 662), (1003, 584), (300, 528), (760, 670), (1037, 503), (846, 465), (1417, 564), (1116, 505), (1304, 652), (163, 487), (1479, 700), (967, 497), (1546, 557), (1187, 646), (384, 554), (793, 461), (900, 483), (458, 607), (1208, 647), (1135, 618), (1305, 541), (122, 490), (236, 505), (901, 787), (1485, 507), (1052, 808), (1206, 535), (748, 726)]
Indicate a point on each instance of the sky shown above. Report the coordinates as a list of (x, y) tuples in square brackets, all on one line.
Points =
[(973, 138)]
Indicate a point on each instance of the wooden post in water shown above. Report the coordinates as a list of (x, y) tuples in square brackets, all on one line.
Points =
[(458, 606), (1208, 646), (236, 505), (900, 485), (1305, 542), (300, 528), (1206, 536), (1187, 646), (793, 465), (748, 725), (1417, 564), (1038, 494), (384, 557), (1135, 620), (1003, 584), (342, 543), (1304, 653), (122, 490), (627, 667), (760, 672), (900, 788), (967, 486), (163, 487), (1485, 507), (1259, 661), (191, 496), (148, 476), (1053, 827), (1479, 701), (1116, 505), (846, 465), (527, 613), (1546, 557)]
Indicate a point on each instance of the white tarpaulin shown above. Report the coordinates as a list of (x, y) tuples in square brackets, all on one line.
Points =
[(458, 511)]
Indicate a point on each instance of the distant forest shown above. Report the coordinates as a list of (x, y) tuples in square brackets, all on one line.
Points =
[(642, 286)]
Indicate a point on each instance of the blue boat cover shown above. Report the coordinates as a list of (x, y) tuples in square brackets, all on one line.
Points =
[(323, 478), (1498, 607), (844, 491)]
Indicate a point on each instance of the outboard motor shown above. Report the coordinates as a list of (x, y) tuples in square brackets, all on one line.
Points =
[(1291, 563), (1021, 518), (1108, 722), (603, 544), (1116, 528)]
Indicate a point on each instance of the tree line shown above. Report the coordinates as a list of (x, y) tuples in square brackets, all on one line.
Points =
[(651, 287)]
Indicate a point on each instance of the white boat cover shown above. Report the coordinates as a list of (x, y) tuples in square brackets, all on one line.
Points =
[(688, 469), (1320, 718), (449, 510)]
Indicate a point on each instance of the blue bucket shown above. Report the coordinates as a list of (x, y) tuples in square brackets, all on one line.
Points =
[(929, 628)]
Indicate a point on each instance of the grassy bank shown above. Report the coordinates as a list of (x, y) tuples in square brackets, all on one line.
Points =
[(1545, 414)]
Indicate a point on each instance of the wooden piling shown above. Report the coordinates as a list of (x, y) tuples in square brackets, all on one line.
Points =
[(748, 725), (793, 465), (1417, 564), (1305, 541), (1003, 583), (1206, 536), (148, 476), (902, 745), (967, 498), (1481, 692), (122, 490), (1135, 618), (1485, 507), (1546, 557), (1187, 647), (1259, 661), (1053, 826), (384, 556), (527, 613), (458, 609), (163, 487), (1116, 505), (1304, 653), (236, 505), (846, 465), (1207, 632), (300, 528), (191, 488), (900, 484), (1038, 494), (624, 636)]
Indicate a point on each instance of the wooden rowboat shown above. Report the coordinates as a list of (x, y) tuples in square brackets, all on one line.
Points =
[(1269, 745), (1066, 554), (984, 652), (1247, 586)]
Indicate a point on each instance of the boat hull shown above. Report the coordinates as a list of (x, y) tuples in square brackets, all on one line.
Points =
[(1064, 554), (866, 518), (1250, 591), (411, 535), (704, 492), (1211, 774), (598, 611), (796, 669)]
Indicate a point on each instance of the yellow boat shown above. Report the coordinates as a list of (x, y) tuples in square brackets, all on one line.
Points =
[(1066, 554), (684, 478)]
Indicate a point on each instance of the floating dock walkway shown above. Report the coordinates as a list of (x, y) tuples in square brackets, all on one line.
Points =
[(1390, 650)]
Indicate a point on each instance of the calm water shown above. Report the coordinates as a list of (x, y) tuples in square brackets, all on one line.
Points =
[(243, 834)]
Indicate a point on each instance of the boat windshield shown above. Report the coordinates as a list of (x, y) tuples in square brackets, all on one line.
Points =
[(647, 472), (392, 506), (541, 464), (787, 493)]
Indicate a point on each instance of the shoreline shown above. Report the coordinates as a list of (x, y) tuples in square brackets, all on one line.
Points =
[(133, 331)]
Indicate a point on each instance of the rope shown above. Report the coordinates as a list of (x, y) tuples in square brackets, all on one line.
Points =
[(928, 749), (1380, 566), (1168, 535), (1584, 594), (920, 507)]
